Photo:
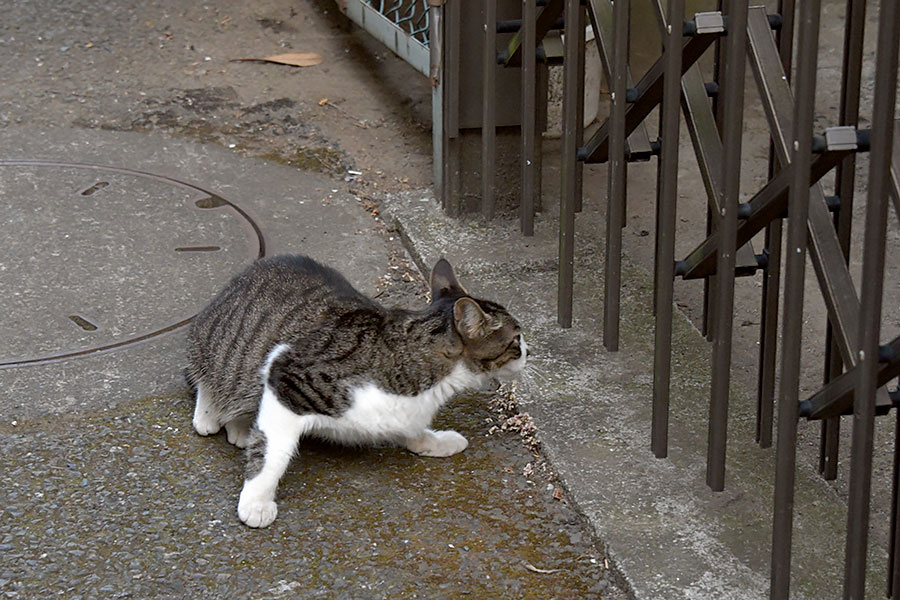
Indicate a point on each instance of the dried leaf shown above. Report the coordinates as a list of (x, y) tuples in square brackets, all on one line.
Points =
[(294, 59)]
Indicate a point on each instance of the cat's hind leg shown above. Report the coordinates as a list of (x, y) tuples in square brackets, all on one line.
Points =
[(206, 415), (238, 431), (437, 443), (271, 446)]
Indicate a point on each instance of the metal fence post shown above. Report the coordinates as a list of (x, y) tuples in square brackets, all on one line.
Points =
[(615, 197), (795, 269), (569, 165), (667, 198), (723, 308), (870, 302)]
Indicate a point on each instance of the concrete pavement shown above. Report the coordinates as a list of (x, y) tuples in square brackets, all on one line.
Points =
[(108, 492)]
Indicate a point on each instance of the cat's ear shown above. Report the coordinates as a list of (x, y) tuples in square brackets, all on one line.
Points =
[(444, 283), (471, 322)]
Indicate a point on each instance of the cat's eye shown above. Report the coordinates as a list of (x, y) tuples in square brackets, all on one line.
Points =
[(515, 346)]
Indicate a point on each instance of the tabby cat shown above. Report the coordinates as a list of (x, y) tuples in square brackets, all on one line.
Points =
[(289, 348)]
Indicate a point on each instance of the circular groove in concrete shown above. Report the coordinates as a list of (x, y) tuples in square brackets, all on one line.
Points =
[(92, 254)]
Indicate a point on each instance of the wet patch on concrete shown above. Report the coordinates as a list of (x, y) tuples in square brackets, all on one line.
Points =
[(321, 159), (132, 503)]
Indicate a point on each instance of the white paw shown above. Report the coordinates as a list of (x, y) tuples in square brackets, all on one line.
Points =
[(238, 433), (204, 424), (438, 443), (257, 513)]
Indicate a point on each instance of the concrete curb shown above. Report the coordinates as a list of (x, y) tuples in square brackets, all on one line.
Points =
[(667, 534)]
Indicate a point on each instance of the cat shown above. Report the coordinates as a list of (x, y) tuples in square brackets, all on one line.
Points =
[(290, 348)]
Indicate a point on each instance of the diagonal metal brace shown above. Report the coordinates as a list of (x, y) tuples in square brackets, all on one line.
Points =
[(701, 124), (649, 95), (638, 145), (767, 204), (546, 19), (836, 398), (825, 251)]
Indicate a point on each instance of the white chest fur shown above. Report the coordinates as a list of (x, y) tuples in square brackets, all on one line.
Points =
[(383, 415), (378, 416)]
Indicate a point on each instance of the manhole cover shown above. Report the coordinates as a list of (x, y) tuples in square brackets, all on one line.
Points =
[(96, 258)]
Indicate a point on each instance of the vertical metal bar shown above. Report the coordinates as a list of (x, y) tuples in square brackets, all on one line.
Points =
[(667, 197), (723, 309), (829, 434), (435, 48), (529, 117), (616, 183), (719, 66), (541, 93), (768, 334), (795, 267), (579, 131), (854, 27), (709, 282), (830, 429), (569, 160), (870, 300), (488, 105), (893, 578), (450, 109)]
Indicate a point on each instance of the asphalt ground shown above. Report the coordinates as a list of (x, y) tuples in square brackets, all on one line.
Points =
[(131, 503), (108, 493)]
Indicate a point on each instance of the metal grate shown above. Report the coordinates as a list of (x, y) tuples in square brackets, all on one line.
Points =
[(401, 25), (411, 16)]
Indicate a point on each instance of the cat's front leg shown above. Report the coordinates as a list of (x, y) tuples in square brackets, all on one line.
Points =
[(271, 446), (437, 443)]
